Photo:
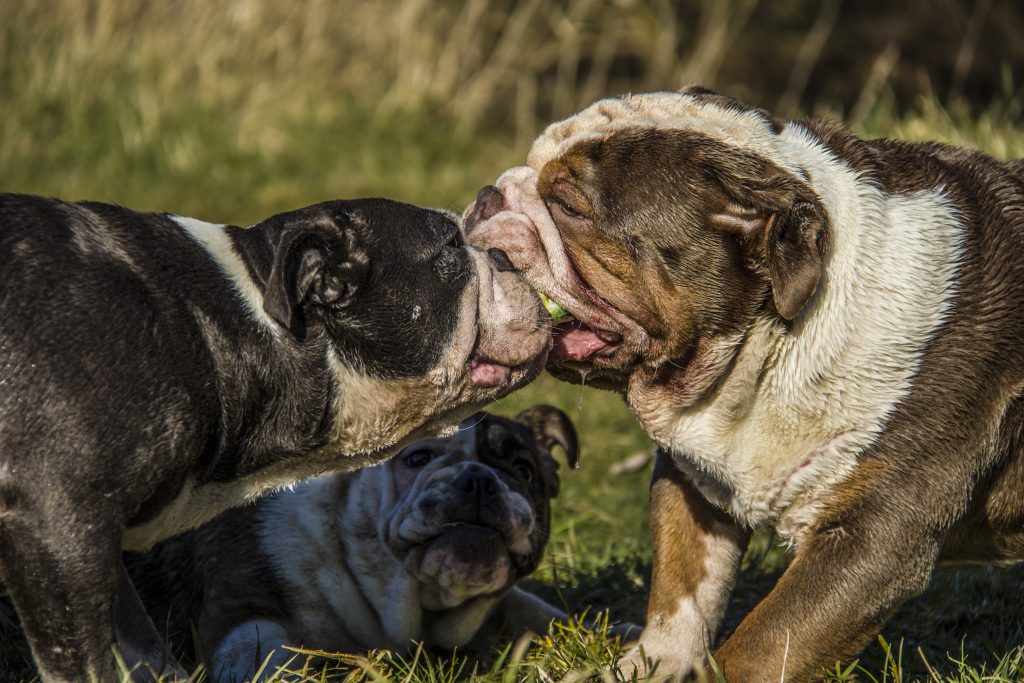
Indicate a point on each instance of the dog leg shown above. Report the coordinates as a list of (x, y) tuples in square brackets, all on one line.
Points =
[(697, 549), (521, 612), (850, 573), (138, 641), (62, 578), (253, 647)]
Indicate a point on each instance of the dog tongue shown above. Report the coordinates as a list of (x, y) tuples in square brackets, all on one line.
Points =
[(576, 343), (483, 374)]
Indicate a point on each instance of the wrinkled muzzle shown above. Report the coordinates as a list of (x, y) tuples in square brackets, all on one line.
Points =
[(513, 333), (463, 531), (511, 216)]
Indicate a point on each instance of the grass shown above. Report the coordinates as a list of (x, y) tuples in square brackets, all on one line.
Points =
[(234, 130)]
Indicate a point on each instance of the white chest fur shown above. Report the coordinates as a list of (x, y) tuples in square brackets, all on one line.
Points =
[(799, 406)]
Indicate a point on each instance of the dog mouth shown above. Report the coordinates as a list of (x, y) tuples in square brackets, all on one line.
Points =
[(467, 554), (577, 341), (485, 373), (512, 337), (581, 338)]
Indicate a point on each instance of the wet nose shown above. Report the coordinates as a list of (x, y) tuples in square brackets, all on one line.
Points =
[(476, 482), (489, 201)]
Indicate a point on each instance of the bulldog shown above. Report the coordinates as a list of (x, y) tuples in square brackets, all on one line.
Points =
[(824, 335), (186, 367), (426, 547)]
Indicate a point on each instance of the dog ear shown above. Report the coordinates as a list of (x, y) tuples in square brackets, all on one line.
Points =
[(550, 427), (782, 225), (316, 263)]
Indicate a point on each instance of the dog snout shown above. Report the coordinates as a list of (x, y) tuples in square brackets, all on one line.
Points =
[(489, 201), (476, 482)]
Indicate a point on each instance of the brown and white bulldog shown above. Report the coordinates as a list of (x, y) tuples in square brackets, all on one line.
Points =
[(823, 334), (426, 547)]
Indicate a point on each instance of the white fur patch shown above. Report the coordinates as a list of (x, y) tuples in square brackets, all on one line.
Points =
[(680, 641), (218, 245), (303, 534), (661, 110), (826, 389)]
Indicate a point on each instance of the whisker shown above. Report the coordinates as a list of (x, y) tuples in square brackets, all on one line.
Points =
[(472, 426)]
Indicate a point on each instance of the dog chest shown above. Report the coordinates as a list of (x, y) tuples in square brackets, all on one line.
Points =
[(791, 418)]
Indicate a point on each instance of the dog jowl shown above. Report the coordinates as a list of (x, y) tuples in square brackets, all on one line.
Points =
[(822, 334), (157, 370)]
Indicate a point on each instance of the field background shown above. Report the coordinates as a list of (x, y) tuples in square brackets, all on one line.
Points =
[(234, 110)]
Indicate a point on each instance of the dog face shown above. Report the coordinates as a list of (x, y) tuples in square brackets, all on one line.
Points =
[(420, 327), (663, 225), (472, 512)]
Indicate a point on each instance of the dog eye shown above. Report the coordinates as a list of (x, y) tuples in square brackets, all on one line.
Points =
[(524, 468), (567, 210), (418, 458)]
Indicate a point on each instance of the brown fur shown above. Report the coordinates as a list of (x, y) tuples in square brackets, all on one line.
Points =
[(703, 244), (683, 519)]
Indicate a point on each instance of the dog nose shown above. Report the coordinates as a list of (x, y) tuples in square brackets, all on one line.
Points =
[(477, 482), (489, 201), (501, 260)]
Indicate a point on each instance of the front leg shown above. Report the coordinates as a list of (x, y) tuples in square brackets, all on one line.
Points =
[(516, 613), (143, 650), (59, 558), (257, 646), (874, 547), (696, 549), (520, 612)]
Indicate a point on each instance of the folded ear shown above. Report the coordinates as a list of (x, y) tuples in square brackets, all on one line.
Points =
[(550, 427), (782, 224), (316, 263)]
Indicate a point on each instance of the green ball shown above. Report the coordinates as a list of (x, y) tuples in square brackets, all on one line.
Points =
[(553, 309)]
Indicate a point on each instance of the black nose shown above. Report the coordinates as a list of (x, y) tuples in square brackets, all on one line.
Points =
[(476, 481), (489, 201), (501, 260)]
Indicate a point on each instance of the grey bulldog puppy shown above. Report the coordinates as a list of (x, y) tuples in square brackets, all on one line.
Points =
[(426, 547)]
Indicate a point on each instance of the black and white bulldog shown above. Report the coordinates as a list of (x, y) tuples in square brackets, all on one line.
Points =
[(157, 370), (823, 334), (426, 547)]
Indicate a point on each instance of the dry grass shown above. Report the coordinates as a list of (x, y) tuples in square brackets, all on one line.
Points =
[(276, 61)]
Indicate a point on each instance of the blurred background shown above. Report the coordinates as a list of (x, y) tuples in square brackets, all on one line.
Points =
[(236, 109), (233, 109)]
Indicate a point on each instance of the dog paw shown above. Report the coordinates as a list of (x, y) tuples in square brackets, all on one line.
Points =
[(641, 664)]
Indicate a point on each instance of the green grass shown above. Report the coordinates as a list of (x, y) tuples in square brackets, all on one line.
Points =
[(124, 137)]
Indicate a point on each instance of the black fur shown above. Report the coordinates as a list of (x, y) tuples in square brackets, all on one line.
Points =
[(128, 366)]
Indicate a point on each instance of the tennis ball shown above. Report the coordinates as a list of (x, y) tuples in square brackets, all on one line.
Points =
[(553, 309)]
